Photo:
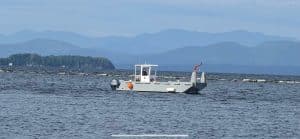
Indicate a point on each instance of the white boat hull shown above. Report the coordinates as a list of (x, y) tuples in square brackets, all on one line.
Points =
[(168, 87)]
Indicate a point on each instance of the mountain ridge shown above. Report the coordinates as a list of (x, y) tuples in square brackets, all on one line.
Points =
[(147, 43), (268, 53)]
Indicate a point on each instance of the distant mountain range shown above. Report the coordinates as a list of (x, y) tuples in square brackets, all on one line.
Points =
[(279, 53), (237, 51), (54, 47), (146, 43)]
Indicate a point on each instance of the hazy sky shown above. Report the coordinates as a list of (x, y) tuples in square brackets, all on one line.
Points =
[(130, 17)]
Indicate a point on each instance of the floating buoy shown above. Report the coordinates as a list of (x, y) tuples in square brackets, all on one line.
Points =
[(261, 80), (130, 85), (246, 80)]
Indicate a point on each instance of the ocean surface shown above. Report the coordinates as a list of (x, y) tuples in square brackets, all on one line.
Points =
[(82, 106)]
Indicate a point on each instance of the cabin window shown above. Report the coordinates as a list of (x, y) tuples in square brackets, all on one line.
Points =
[(145, 71)]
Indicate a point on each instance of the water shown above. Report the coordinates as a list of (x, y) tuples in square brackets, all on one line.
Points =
[(73, 106)]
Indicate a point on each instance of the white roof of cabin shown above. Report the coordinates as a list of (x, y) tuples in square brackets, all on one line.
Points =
[(145, 65)]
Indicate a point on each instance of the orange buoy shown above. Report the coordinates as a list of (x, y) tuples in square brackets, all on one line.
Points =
[(130, 85)]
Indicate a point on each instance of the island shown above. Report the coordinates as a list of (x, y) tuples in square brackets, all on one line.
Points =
[(65, 61)]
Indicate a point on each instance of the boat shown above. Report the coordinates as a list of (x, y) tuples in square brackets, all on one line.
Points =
[(145, 80)]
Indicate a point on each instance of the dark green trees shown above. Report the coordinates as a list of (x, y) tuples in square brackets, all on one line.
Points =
[(74, 62)]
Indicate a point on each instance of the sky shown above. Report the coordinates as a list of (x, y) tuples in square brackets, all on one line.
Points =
[(131, 17)]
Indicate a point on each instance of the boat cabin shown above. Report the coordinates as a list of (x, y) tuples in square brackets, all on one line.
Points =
[(145, 73)]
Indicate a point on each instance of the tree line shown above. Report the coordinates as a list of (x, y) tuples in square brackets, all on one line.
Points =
[(66, 61)]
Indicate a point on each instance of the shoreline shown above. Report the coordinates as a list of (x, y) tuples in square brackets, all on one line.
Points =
[(163, 75)]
